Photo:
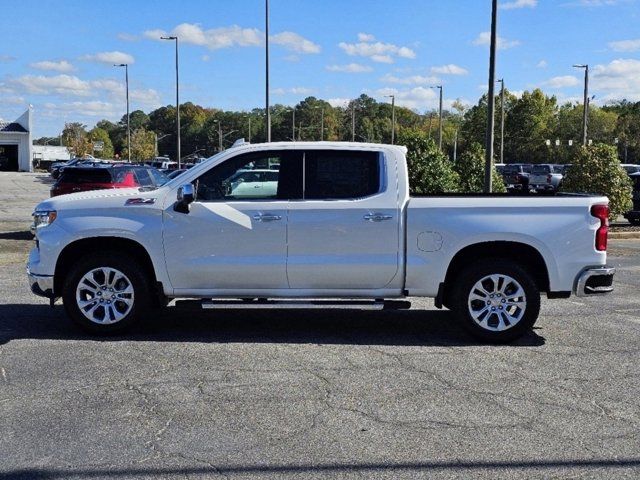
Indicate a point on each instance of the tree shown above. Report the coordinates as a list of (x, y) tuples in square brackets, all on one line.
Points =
[(142, 145), (430, 172), (470, 169), (97, 134), (76, 140), (596, 169)]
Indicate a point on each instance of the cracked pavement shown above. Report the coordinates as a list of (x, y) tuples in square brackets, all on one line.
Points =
[(309, 394)]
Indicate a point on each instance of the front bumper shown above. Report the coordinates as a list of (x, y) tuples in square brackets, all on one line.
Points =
[(41, 285), (595, 281)]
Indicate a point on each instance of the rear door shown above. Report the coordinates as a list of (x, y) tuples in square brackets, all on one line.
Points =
[(344, 231)]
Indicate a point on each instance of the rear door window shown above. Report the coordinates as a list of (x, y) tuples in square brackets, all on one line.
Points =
[(85, 175), (341, 174)]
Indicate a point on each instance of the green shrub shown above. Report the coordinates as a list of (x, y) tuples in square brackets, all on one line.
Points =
[(430, 171), (470, 169), (596, 169)]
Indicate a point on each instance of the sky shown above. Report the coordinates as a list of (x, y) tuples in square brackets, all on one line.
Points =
[(58, 56)]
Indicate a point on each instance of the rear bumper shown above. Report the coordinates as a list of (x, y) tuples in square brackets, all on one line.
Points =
[(595, 281), (41, 285)]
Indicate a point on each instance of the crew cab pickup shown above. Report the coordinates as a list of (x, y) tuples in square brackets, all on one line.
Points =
[(338, 229)]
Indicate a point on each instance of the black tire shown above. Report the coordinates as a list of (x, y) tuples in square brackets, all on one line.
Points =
[(497, 328), (133, 307)]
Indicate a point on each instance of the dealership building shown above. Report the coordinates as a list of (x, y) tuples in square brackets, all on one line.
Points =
[(15, 144)]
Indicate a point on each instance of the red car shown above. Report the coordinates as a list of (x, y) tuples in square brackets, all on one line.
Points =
[(78, 179)]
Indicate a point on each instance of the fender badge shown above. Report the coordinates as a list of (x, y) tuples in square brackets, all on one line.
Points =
[(140, 201)]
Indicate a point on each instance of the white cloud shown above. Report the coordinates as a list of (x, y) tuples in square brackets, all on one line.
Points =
[(450, 69), (562, 82), (61, 66), (620, 79), (294, 42), (338, 102), (350, 68), (366, 37), (411, 80), (93, 108), (542, 64), (378, 51), (128, 37), (206, 58), (43, 85), (6, 58), (109, 58), (593, 3), (234, 36), (292, 91), (70, 85), (519, 4), (484, 38), (625, 45), (415, 98)]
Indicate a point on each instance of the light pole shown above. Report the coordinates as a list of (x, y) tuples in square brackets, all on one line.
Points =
[(501, 81), (157, 139), (488, 167), (266, 40), (249, 117), (585, 112), (293, 124), (126, 80), (353, 121), (440, 118), (177, 102), (393, 117)]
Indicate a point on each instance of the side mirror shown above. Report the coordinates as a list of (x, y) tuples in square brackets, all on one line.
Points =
[(185, 197)]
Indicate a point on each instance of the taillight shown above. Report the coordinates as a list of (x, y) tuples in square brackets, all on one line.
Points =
[(601, 212)]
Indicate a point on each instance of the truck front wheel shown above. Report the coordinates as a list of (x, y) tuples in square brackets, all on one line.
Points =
[(106, 292), (496, 300)]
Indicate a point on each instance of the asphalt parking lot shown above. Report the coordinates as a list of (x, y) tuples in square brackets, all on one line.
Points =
[(282, 394)]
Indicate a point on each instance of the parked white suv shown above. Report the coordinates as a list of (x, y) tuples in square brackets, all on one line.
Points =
[(338, 229)]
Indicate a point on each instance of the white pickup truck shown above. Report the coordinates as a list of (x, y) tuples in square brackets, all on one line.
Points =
[(338, 230)]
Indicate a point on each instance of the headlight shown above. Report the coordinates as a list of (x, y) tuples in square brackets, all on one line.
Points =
[(42, 218)]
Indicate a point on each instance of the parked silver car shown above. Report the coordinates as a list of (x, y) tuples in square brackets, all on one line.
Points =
[(546, 177)]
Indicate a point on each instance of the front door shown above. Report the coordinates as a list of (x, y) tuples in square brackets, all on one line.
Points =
[(344, 233), (232, 238)]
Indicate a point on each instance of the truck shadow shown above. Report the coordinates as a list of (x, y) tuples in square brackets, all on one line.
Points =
[(333, 327)]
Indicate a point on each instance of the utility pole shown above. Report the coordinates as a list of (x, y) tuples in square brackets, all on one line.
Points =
[(249, 116), (293, 124), (455, 147), (491, 99), (501, 81), (440, 118), (393, 117), (266, 40), (322, 125), (585, 111), (126, 80), (178, 155), (353, 122)]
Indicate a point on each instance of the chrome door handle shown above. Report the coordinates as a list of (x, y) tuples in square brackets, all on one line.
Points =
[(377, 217), (266, 217)]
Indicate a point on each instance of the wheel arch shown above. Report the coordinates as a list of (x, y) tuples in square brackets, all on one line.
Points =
[(522, 254), (79, 248)]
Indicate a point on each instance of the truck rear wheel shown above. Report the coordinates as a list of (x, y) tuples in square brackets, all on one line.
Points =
[(496, 300), (105, 293)]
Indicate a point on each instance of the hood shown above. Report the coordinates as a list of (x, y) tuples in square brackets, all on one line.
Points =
[(113, 197)]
